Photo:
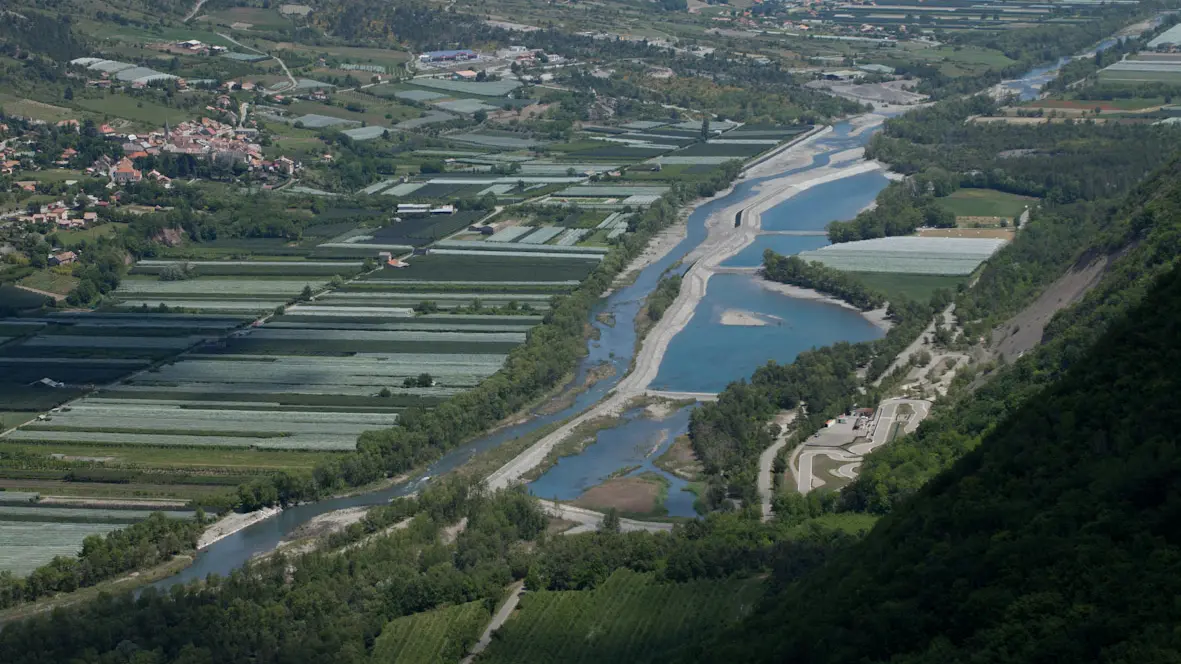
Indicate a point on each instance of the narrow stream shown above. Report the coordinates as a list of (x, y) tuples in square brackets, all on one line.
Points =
[(615, 345)]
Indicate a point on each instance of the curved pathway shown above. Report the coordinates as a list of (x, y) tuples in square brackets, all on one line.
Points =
[(853, 455), (290, 78), (766, 481), (193, 12)]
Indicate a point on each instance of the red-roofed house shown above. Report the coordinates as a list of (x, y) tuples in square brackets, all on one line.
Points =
[(125, 172), (64, 258)]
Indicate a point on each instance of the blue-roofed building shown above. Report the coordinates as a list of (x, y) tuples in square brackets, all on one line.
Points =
[(445, 56)]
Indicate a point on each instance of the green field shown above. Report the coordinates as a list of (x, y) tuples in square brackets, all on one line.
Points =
[(630, 617), (132, 108), (442, 635), (71, 238), (255, 16), (986, 203), (28, 108), (918, 287), (244, 460), (11, 418), (50, 280)]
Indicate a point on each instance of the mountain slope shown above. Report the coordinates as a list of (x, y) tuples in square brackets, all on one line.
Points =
[(1143, 237), (1056, 539)]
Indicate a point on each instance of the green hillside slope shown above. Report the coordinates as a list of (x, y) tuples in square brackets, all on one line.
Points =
[(1055, 540), (1142, 236)]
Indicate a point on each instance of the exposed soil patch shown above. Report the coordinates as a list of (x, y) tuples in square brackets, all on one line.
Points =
[(330, 522), (1024, 331), (631, 495)]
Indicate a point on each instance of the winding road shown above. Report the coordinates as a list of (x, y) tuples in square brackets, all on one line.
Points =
[(193, 12), (290, 78)]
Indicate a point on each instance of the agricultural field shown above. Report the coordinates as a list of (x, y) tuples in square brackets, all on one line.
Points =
[(33, 531), (441, 635), (908, 255), (629, 617), (17, 299), (918, 287), (240, 294), (35, 109), (143, 111), (986, 203), (498, 266), (50, 359), (51, 280), (206, 406)]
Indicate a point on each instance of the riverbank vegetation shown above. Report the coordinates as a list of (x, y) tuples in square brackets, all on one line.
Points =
[(149, 542), (796, 271)]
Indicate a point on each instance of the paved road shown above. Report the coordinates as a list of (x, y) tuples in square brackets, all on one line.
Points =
[(806, 481), (883, 425)]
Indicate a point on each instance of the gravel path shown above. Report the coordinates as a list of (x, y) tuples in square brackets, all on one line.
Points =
[(766, 481)]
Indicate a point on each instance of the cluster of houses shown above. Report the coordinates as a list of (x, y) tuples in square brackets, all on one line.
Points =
[(59, 214), (205, 137)]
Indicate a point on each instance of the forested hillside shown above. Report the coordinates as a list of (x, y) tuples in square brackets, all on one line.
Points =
[(1148, 226), (1055, 540)]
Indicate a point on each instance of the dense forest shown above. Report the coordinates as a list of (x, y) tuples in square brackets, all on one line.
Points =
[(1054, 540)]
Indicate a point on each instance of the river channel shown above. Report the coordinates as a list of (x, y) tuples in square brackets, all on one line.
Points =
[(625, 446)]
